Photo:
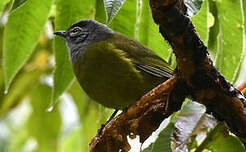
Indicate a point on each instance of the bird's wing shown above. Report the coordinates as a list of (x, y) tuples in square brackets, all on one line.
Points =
[(144, 59), (158, 72)]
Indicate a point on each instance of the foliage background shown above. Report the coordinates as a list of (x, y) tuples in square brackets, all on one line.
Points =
[(42, 107)]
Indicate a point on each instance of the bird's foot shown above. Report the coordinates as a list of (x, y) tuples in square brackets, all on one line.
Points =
[(99, 131)]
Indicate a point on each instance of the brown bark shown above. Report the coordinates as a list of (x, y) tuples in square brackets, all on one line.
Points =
[(142, 118), (196, 76), (206, 85)]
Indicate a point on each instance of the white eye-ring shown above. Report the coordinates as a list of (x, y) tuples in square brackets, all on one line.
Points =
[(75, 31)]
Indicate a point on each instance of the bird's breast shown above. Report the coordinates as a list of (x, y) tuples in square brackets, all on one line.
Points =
[(108, 76)]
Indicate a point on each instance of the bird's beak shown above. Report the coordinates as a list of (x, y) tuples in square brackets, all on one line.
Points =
[(60, 33)]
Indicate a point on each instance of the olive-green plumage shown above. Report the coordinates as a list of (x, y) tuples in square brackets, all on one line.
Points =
[(113, 69)]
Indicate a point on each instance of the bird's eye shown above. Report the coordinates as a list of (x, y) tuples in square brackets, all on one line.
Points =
[(75, 31)]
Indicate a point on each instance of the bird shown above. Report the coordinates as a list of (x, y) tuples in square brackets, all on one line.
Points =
[(113, 69)]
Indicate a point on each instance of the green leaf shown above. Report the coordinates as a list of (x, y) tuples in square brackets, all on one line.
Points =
[(200, 20), (189, 122), (185, 126), (20, 87), (80, 98), (163, 142), (73, 142), (91, 123), (67, 13), (89, 112), (242, 60), (22, 31), (214, 30), (123, 22), (44, 126), (16, 4), (1, 45), (100, 12), (220, 140), (149, 32), (229, 29), (112, 7)]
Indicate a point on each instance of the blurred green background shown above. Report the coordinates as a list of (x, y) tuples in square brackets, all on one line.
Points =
[(43, 108)]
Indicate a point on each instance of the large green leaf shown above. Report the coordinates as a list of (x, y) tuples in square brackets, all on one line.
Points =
[(163, 142), (126, 19), (229, 29), (1, 69), (214, 30), (67, 12), (149, 32), (100, 12), (200, 21), (220, 140), (16, 4), (243, 57), (22, 31), (112, 7)]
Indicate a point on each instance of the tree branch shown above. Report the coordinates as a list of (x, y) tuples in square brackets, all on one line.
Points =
[(195, 66), (196, 76), (142, 118)]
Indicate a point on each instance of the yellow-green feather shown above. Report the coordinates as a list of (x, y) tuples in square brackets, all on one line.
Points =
[(108, 74)]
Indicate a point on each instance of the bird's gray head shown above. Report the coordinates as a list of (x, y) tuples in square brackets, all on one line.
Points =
[(81, 34)]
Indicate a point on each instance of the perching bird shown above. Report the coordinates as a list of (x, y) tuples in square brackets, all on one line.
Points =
[(112, 68)]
